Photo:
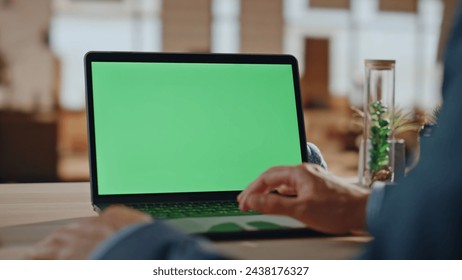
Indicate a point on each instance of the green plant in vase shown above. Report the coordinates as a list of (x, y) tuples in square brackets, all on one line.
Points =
[(379, 134)]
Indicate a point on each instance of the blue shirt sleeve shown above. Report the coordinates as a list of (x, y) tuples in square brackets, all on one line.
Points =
[(374, 204), (314, 155), (156, 240)]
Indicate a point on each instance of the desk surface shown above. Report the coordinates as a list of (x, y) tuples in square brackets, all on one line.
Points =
[(28, 212)]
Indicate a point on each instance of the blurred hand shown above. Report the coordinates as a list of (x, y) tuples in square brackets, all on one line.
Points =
[(309, 194), (78, 240)]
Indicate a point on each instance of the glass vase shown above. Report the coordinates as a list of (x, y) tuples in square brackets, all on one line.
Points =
[(377, 158)]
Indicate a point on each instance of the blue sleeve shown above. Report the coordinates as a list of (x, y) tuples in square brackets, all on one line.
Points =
[(374, 204), (422, 217), (153, 241), (314, 155)]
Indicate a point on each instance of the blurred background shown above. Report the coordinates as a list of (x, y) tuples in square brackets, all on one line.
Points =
[(43, 42)]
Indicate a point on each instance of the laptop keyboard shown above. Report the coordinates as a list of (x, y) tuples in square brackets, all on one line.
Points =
[(191, 209)]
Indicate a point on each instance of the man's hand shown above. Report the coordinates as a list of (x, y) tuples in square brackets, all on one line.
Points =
[(78, 240), (309, 194)]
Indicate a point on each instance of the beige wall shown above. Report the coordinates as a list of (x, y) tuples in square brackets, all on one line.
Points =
[(336, 4), (450, 7), (399, 5), (23, 23), (186, 25), (261, 26)]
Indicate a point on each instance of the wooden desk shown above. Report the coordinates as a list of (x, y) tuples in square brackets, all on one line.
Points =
[(28, 212)]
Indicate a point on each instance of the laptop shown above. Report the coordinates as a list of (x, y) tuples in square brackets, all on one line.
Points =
[(179, 135)]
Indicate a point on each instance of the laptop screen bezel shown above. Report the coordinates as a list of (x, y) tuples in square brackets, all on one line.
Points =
[(95, 56)]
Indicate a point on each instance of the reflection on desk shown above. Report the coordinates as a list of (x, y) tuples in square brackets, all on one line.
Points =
[(29, 212)]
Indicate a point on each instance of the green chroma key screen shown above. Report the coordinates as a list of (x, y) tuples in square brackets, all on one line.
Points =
[(191, 127)]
